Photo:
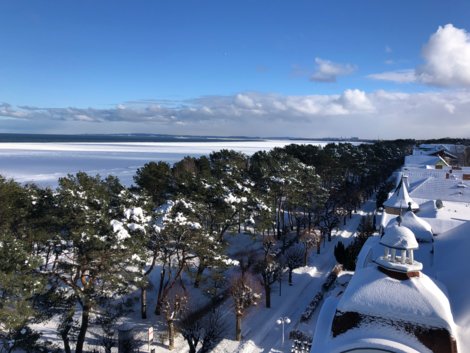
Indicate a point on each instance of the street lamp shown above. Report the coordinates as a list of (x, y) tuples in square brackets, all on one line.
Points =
[(282, 321)]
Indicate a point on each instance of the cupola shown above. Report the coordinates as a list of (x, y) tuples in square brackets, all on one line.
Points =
[(398, 260)]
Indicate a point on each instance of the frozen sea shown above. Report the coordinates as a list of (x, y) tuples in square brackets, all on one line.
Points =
[(44, 162)]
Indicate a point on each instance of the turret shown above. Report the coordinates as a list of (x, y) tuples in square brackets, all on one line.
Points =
[(400, 199)]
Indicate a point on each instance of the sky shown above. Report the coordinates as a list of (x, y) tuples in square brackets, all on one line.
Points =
[(316, 68)]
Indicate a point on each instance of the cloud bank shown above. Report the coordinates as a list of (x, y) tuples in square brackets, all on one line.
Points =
[(446, 61), (379, 114)]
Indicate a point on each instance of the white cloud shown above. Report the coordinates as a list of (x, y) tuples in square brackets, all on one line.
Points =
[(446, 61), (328, 71), (399, 76), (356, 100), (450, 108), (447, 58), (381, 114), (244, 101)]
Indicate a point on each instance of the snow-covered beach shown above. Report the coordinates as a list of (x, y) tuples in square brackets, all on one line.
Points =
[(43, 163)]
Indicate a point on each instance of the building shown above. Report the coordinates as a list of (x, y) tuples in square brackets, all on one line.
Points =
[(390, 305), (409, 292)]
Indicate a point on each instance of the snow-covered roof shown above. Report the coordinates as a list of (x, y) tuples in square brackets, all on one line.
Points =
[(451, 267), (399, 237), (452, 189), (424, 160), (416, 300), (451, 215), (421, 229), (449, 150), (433, 146), (400, 199), (369, 336), (368, 252)]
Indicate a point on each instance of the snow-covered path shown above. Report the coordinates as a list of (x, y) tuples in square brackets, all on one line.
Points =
[(259, 329)]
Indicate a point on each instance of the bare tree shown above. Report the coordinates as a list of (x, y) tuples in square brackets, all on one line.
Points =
[(191, 328), (268, 268), (310, 238), (293, 258), (198, 327), (244, 295), (214, 329), (173, 306)]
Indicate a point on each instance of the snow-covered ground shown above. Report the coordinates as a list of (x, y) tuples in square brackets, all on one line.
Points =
[(44, 163), (259, 329)]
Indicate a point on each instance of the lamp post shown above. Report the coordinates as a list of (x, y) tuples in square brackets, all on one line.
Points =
[(282, 321)]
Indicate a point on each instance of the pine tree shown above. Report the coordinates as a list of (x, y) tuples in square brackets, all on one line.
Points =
[(95, 263), (20, 282)]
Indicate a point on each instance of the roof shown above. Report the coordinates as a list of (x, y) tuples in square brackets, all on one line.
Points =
[(453, 246), (400, 199), (417, 300), (423, 160), (371, 336), (451, 265), (421, 229), (399, 237), (444, 189), (438, 148)]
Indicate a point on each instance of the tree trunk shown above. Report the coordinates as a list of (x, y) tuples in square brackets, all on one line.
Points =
[(192, 347), (329, 235), (84, 326), (65, 338), (171, 334), (267, 292), (278, 225), (238, 327), (158, 308), (47, 257), (143, 302), (283, 220), (55, 261), (239, 223), (290, 276), (200, 270), (305, 256)]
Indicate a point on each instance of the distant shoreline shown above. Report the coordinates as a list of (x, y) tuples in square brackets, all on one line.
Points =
[(38, 138)]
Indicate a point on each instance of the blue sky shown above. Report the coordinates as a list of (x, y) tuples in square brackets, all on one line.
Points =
[(272, 67)]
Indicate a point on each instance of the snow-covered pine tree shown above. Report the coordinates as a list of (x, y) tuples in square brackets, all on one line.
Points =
[(95, 263)]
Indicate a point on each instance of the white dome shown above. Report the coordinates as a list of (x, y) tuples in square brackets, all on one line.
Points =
[(399, 237)]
